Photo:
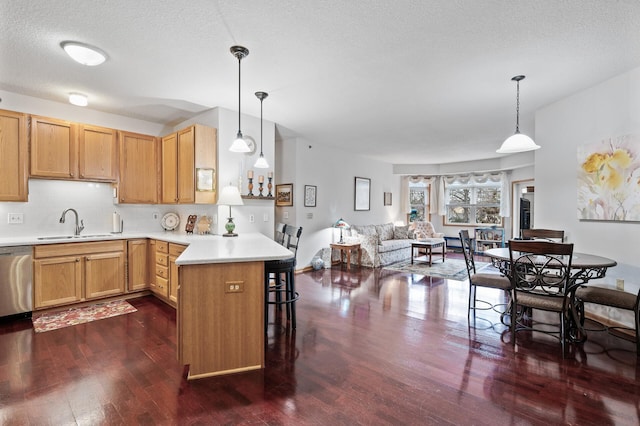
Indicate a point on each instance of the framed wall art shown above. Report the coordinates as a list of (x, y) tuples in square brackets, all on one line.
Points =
[(387, 198), (362, 194), (310, 195), (284, 195)]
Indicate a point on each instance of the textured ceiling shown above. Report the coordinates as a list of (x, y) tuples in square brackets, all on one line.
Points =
[(405, 82)]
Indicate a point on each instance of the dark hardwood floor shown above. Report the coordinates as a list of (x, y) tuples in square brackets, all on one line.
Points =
[(372, 347)]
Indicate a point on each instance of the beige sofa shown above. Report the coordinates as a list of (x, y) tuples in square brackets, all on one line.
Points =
[(385, 244)]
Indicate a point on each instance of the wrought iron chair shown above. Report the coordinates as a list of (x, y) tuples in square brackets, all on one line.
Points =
[(615, 299), (482, 279), (544, 234), (541, 276), (282, 274)]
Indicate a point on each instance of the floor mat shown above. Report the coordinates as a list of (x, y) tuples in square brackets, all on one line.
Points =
[(454, 269), (74, 316)]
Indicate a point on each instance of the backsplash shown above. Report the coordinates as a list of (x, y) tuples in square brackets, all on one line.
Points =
[(95, 205)]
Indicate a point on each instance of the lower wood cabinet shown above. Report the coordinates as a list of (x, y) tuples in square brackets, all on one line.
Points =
[(166, 271), (137, 265), (69, 273)]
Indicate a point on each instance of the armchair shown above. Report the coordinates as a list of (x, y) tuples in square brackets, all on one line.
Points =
[(426, 232)]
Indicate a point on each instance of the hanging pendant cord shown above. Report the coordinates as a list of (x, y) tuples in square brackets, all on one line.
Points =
[(261, 127), (239, 82), (518, 107)]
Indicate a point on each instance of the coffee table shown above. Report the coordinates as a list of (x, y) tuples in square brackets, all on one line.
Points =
[(428, 247)]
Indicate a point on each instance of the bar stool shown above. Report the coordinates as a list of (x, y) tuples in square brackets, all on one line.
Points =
[(282, 274)]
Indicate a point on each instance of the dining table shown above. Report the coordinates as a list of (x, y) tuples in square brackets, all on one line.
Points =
[(584, 268)]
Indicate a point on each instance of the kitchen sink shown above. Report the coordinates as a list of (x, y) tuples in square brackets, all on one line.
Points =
[(72, 237)]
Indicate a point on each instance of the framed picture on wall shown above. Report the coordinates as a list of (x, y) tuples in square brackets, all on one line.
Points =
[(310, 195), (362, 194), (284, 195), (387, 198)]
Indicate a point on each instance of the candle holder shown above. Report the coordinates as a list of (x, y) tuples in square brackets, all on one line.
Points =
[(260, 188), (269, 186), (250, 187)]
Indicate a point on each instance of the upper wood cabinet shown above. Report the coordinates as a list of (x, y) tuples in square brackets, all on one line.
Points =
[(53, 148), (13, 156), (65, 150), (184, 153), (97, 153), (139, 175)]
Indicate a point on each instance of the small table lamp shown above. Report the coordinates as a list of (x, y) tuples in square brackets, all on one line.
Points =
[(342, 225), (230, 196)]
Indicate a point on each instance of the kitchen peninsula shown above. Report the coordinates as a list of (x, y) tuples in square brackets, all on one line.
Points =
[(221, 303)]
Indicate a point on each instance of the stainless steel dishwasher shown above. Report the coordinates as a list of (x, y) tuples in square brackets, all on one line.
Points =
[(16, 280)]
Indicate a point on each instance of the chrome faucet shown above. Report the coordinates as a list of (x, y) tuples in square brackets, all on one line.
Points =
[(79, 226)]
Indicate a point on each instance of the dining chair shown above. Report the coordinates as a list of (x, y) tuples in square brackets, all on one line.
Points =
[(543, 234), (482, 279), (613, 298), (279, 276), (541, 278)]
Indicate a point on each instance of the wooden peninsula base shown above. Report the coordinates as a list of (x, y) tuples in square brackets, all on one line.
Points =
[(220, 318)]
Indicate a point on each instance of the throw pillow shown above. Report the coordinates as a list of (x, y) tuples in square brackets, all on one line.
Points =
[(385, 232), (401, 232)]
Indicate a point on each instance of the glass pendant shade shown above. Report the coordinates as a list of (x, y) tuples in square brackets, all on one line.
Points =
[(517, 142), (261, 163), (239, 144)]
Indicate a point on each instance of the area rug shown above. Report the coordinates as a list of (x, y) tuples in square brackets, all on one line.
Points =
[(454, 269), (74, 316)]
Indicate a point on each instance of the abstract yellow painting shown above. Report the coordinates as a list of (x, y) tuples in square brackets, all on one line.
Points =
[(609, 179)]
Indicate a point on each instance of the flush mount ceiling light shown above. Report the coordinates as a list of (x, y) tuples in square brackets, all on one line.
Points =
[(518, 142), (261, 163), (239, 144), (78, 99), (83, 53)]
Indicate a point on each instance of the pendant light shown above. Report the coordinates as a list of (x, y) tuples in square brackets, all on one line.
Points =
[(239, 144), (518, 142), (261, 163)]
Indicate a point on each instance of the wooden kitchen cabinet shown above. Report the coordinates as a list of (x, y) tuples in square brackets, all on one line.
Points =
[(57, 281), (182, 154), (161, 268), (139, 176), (13, 156), (97, 154), (74, 272), (175, 250), (137, 265), (53, 148), (64, 150)]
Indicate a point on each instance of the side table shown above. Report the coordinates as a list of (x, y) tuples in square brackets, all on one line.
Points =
[(348, 248)]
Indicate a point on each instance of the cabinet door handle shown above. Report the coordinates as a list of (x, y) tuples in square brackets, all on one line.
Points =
[(77, 259)]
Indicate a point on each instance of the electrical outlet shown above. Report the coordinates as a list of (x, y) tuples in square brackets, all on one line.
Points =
[(215, 218), (620, 284), (15, 218), (285, 215), (265, 217), (156, 215), (252, 218), (234, 287), (309, 215)]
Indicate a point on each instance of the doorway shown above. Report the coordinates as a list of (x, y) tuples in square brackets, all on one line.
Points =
[(522, 206)]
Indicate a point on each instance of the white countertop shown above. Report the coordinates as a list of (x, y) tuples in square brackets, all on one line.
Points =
[(201, 248)]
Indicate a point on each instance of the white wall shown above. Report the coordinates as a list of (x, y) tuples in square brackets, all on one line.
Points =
[(609, 109), (308, 163)]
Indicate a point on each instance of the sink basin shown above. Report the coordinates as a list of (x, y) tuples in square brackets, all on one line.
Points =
[(71, 237), (62, 237)]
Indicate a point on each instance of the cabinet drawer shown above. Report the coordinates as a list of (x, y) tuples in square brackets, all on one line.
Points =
[(162, 259), (162, 271), (176, 249), (162, 246), (162, 287)]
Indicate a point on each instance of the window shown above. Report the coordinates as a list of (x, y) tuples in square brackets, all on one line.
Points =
[(418, 202), (473, 204)]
